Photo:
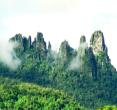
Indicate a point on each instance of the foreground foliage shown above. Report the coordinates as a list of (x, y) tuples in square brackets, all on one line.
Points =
[(108, 107), (24, 96), (86, 73)]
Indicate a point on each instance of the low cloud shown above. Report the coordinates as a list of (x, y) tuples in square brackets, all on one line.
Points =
[(8, 56), (77, 62)]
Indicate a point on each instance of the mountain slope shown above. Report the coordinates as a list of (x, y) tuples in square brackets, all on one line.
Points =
[(15, 95), (85, 73)]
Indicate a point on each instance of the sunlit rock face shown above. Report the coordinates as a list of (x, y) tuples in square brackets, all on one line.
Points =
[(97, 42), (99, 49)]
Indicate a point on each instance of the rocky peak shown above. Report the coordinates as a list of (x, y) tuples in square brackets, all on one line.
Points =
[(19, 40), (29, 42), (87, 60), (82, 39), (40, 44), (97, 42), (82, 47), (40, 37), (23, 42), (49, 47), (65, 50)]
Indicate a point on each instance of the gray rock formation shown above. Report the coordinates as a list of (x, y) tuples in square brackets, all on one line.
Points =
[(25, 43), (38, 45), (49, 47), (97, 42), (82, 39), (65, 51), (98, 46), (41, 51), (88, 65), (29, 42), (83, 47), (19, 40)]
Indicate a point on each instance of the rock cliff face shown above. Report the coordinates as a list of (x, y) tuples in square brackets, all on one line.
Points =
[(86, 73), (97, 42), (38, 45), (93, 59), (99, 48), (19, 40), (82, 39), (41, 51), (65, 51), (29, 42), (49, 47), (87, 60), (83, 47)]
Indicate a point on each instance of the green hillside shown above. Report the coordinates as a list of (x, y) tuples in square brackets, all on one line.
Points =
[(15, 95), (85, 73)]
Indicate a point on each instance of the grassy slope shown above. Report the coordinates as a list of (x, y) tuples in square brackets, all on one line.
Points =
[(16, 95)]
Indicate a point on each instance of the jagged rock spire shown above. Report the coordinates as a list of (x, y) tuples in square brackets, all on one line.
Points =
[(64, 49), (40, 37), (49, 46), (41, 50), (82, 39), (29, 42), (97, 42), (82, 47), (40, 43), (25, 43), (19, 40)]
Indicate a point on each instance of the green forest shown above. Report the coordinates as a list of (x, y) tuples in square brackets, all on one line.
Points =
[(70, 79)]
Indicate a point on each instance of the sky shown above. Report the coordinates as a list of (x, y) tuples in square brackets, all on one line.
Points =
[(60, 20)]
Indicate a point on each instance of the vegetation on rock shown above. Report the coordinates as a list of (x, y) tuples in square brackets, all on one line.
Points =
[(86, 73)]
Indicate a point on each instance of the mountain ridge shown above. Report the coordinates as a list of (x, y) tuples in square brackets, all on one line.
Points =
[(96, 49), (86, 73)]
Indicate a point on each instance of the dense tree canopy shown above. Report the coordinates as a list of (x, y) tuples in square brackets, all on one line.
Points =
[(86, 74)]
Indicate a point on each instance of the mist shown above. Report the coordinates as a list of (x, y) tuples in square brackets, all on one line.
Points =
[(77, 61), (8, 56)]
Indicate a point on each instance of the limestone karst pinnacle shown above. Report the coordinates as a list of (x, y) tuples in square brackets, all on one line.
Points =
[(64, 49), (82, 39), (91, 56), (97, 42)]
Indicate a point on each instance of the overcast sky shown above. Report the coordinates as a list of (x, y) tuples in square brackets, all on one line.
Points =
[(61, 20)]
